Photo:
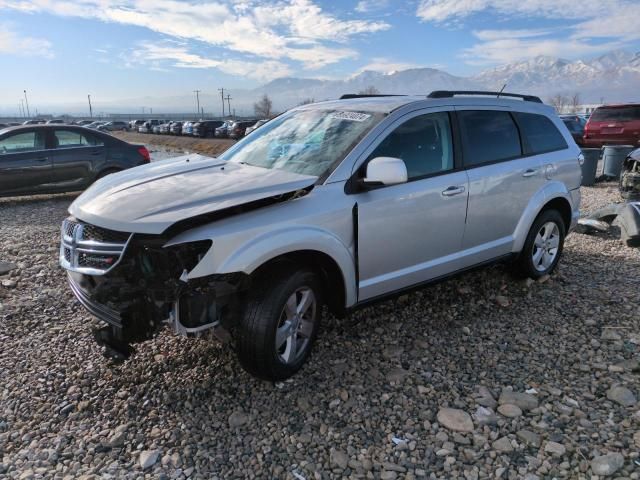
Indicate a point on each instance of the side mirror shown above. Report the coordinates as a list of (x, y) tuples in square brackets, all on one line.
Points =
[(385, 171)]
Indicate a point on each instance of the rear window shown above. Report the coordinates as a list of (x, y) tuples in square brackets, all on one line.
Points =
[(616, 114), (488, 136), (539, 133)]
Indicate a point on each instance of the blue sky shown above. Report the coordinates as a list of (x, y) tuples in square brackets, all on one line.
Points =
[(61, 50)]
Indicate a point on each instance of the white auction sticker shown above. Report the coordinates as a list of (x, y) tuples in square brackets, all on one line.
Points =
[(353, 116)]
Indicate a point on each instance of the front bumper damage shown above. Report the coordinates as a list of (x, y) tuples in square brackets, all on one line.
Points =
[(146, 288)]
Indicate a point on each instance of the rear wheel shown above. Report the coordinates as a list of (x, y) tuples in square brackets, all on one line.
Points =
[(280, 323), (543, 246)]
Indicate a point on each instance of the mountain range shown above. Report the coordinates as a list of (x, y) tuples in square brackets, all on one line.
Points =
[(612, 77)]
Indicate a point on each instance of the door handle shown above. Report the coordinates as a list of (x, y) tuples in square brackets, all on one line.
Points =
[(530, 172), (453, 190), (42, 159)]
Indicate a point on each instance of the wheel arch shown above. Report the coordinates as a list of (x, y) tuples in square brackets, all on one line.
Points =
[(553, 196)]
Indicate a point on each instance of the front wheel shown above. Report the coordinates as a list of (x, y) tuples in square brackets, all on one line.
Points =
[(280, 323), (543, 246)]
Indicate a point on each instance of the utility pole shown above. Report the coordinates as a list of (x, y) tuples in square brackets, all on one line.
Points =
[(221, 90), (24, 112), (20, 108), (27, 102), (229, 103), (197, 92), (90, 108)]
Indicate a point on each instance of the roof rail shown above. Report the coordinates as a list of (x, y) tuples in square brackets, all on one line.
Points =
[(453, 93), (349, 96)]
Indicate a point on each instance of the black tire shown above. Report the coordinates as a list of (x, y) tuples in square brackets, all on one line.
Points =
[(525, 263), (265, 313)]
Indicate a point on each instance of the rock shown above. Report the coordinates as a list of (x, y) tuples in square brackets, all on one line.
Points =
[(509, 410), (555, 448), (523, 400), (392, 352), (396, 375), (502, 445), (386, 475), (6, 267), (339, 458), (621, 395), (485, 398), (485, 416), (117, 440), (502, 301), (237, 419), (148, 458), (610, 334), (636, 439), (7, 283), (607, 465), (456, 420), (529, 438)]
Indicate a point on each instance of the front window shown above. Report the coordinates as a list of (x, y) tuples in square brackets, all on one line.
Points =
[(22, 142), (308, 142)]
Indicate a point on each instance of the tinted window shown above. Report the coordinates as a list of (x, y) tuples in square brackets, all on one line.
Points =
[(540, 134), (574, 126), (22, 142), (616, 114), (72, 139), (423, 143), (488, 136)]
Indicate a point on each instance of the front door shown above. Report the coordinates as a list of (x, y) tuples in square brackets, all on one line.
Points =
[(25, 164), (410, 233)]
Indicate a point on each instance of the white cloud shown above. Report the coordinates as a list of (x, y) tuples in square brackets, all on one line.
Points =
[(365, 6), (296, 30), (385, 65), (156, 56), (13, 44), (592, 27)]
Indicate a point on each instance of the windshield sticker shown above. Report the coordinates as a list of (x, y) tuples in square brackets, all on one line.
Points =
[(352, 116)]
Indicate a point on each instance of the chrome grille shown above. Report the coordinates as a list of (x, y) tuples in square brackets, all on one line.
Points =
[(89, 249)]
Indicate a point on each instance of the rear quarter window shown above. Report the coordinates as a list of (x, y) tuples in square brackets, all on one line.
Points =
[(488, 136), (539, 133)]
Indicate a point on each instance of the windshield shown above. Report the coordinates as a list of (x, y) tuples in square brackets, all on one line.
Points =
[(307, 142)]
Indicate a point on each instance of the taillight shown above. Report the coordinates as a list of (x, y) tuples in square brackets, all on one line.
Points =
[(144, 153)]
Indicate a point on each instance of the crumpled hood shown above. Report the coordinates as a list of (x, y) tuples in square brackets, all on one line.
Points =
[(152, 197)]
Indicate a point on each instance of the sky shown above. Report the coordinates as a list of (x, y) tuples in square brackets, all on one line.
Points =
[(62, 50)]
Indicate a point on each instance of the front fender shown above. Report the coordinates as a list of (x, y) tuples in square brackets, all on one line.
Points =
[(248, 256), (547, 193)]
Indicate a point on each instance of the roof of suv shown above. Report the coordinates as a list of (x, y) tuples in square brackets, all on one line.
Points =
[(387, 104)]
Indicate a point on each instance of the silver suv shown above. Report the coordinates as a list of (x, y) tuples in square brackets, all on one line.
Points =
[(337, 203)]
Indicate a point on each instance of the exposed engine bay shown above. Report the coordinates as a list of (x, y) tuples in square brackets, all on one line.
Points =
[(630, 177)]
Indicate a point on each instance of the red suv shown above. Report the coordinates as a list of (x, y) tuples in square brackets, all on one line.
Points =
[(613, 125)]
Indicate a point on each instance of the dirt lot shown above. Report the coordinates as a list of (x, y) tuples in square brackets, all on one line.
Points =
[(158, 144), (373, 400)]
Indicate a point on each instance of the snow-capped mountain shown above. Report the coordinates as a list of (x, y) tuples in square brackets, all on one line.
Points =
[(614, 76)]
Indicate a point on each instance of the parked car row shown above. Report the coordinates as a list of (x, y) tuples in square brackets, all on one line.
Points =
[(235, 129)]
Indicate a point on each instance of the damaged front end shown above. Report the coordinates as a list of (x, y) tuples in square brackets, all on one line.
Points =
[(136, 285), (630, 177)]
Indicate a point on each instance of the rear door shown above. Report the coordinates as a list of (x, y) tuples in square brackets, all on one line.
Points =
[(502, 180), (77, 155), (25, 163)]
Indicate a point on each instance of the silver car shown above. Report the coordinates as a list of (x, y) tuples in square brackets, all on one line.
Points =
[(337, 203)]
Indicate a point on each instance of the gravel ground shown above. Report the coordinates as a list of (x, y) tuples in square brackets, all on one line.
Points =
[(165, 146), (481, 376)]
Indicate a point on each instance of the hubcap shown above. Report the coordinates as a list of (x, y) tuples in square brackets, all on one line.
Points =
[(545, 246), (295, 326)]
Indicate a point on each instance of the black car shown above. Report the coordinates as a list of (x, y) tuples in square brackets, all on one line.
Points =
[(60, 158), (575, 124), (205, 128)]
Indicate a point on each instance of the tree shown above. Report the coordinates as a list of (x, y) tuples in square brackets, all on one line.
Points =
[(263, 107), (575, 103), (370, 90), (559, 102), (307, 101)]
